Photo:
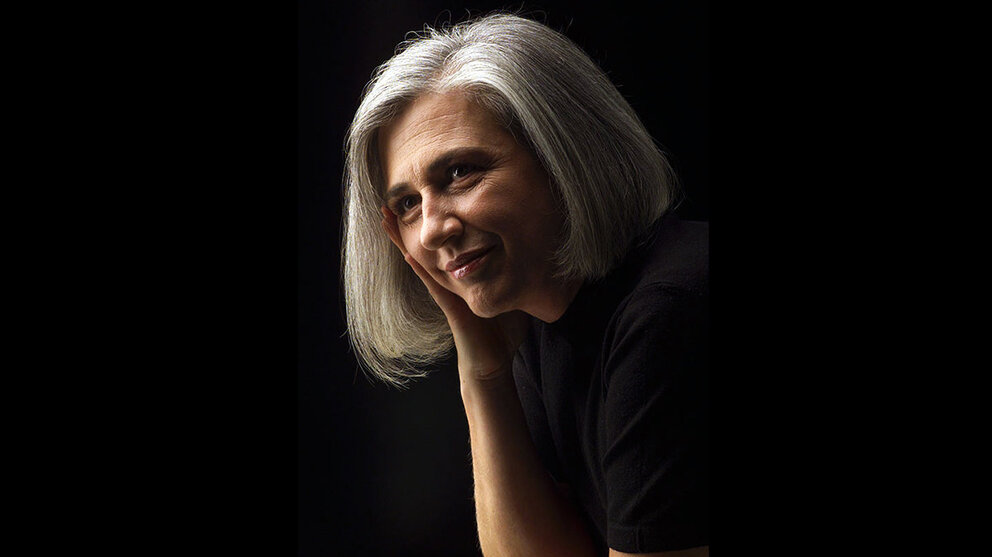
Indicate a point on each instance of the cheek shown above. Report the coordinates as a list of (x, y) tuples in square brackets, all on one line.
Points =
[(411, 240)]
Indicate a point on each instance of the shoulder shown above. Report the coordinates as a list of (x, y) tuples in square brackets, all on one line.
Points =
[(661, 323), (668, 283), (658, 326), (676, 254), (662, 305)]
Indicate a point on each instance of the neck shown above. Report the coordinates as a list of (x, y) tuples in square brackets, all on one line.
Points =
[(551, 303)]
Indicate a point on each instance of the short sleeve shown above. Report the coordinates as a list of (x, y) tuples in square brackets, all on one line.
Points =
[(654, 435)]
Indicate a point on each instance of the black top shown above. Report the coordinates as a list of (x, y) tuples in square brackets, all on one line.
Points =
[(616, 394)]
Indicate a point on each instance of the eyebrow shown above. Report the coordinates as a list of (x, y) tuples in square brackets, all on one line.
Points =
[(439, 163)]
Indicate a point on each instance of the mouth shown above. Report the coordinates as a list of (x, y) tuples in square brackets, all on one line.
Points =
[(463, 265)]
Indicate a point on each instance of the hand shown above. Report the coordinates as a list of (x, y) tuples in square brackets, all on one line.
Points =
[(485, 346)]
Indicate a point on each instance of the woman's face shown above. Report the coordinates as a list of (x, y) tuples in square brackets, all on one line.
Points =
[(473, 207)]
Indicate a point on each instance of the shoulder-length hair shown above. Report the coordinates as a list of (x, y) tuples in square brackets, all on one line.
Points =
[(607, 173)]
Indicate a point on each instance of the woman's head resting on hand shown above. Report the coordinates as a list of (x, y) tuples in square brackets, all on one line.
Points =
[(514, 169), (473, 206)]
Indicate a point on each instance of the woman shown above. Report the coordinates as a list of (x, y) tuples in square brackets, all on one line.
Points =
[(504, 200)]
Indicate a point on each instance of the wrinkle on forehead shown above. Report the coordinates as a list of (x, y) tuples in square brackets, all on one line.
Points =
[(431, 124)]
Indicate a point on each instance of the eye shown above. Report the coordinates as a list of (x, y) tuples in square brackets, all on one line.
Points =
[(408, 202), (459, 171), (402, 205)]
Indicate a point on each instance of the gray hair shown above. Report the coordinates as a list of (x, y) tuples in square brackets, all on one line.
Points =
[(609, 176)]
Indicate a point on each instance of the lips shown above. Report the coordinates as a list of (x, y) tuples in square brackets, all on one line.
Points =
[(466, 262)]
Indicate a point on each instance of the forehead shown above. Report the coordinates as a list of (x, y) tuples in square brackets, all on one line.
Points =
[(430, 126)]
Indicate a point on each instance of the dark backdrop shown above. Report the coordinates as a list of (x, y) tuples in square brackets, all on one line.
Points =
[(194, 254), (384, 471)]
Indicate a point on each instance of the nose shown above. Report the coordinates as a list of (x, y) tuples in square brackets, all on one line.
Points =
[(439, 222)]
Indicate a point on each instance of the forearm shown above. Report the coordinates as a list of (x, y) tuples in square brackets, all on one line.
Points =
[(519, 510)]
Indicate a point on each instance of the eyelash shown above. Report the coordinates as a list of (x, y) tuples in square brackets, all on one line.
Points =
[(400, 210), (469, 167)]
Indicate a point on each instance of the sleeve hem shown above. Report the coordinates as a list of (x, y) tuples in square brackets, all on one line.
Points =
[(642, 539)]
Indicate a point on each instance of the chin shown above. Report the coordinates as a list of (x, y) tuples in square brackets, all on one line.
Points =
[(484, 310), (486, 306)]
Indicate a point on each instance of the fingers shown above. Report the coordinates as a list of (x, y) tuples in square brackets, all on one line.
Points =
[(392, 230), (447, 300), (478, 341)]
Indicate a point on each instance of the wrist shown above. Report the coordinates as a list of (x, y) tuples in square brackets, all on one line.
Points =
[(495, 383)]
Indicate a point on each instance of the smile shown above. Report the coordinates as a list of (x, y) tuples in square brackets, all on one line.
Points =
[(466, 263)]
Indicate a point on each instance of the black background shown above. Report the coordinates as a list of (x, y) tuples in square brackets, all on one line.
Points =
[(191, 207), (384, 471)]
